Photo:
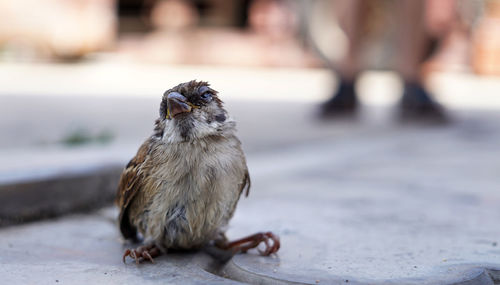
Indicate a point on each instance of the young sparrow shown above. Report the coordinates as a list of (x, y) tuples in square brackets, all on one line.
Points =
[(182, 186)]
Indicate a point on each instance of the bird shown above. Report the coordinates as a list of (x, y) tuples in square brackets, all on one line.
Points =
[(181, 188)]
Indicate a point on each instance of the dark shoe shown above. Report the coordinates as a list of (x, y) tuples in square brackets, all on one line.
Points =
[(344, 102), (418, 105)]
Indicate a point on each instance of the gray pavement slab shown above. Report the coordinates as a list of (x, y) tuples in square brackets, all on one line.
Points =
[(406, 207), (372, 205), (86, 249), (130, 120)]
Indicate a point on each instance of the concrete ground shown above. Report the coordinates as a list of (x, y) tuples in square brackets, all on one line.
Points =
[(364, 201)]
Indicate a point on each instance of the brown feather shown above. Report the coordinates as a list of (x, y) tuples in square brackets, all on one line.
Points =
[(129, 185)]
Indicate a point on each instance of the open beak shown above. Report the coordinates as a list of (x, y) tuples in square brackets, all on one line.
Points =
[(177, 104)]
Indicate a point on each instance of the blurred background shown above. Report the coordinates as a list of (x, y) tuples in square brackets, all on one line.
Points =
[(81, 80), (286, 50), (263, 33)]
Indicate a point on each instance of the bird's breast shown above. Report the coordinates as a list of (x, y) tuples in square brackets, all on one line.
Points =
[(193, 194)]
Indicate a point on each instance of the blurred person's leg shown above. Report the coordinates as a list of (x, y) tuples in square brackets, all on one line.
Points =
[(450, 23), (344, 100), (412, 43)]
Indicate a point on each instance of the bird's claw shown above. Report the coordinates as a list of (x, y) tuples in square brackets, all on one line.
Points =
[(270, 240), (142, 253), (272, 247)]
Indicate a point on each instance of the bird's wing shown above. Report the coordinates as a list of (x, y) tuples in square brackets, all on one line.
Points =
[(246, 184), (130, 184)]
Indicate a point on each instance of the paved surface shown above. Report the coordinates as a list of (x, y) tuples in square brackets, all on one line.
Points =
[(373, 205), (403, 206), (366, 201)]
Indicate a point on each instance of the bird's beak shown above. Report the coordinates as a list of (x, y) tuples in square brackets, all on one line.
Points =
[(177, 104)]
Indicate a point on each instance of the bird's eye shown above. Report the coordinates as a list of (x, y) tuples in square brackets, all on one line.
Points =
[(206, 96)]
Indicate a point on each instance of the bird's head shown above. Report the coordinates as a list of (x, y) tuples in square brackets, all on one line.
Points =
[(192, 110)]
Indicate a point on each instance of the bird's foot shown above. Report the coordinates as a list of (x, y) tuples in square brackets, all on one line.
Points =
[(270, 241), (141, 253)]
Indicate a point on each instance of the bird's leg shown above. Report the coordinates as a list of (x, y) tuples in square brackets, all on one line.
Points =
[(270, 240), (141, 253)]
